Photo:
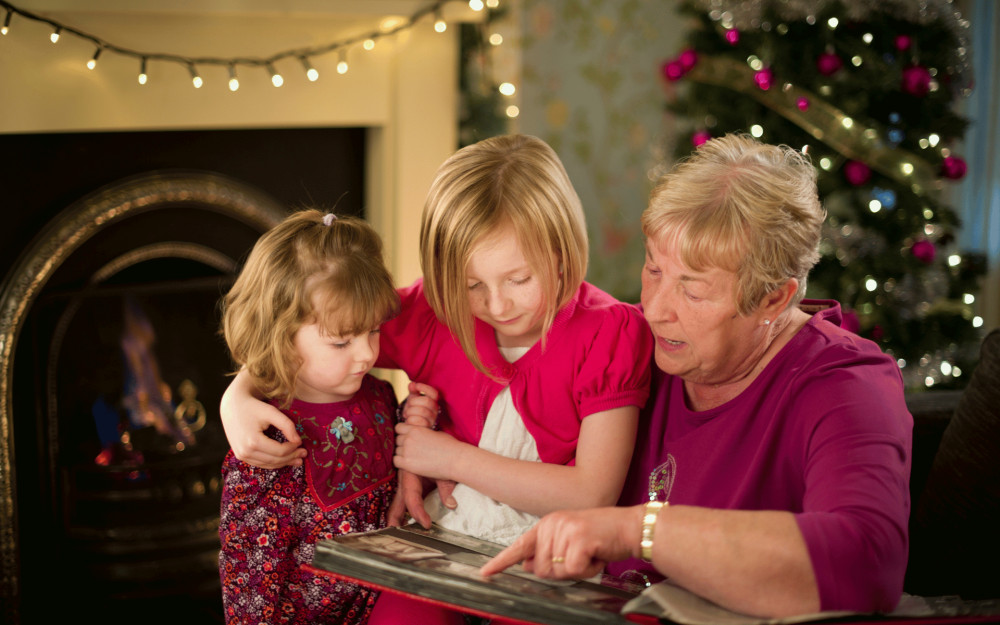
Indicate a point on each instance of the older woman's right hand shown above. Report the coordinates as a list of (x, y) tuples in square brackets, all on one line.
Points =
[(573, 543)]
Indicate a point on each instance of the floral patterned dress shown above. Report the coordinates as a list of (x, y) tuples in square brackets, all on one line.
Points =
[(272, 518)]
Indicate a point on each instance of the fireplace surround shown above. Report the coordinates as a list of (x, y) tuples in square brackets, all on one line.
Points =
[(100, 510)]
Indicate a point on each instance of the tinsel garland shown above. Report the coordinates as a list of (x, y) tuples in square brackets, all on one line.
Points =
[(750, 15), (853, 139)]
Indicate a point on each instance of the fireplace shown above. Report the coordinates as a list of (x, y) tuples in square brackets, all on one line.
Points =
[(112, 368)]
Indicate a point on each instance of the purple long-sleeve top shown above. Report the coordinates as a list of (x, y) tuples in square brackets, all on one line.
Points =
[(823, 432)]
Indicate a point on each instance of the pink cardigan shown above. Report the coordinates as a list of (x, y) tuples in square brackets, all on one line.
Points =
[(596, 358)]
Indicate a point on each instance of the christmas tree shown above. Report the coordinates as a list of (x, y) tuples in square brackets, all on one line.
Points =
[(869, 89)]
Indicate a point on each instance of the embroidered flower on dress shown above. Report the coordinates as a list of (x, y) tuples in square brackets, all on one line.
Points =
[(343, 430)]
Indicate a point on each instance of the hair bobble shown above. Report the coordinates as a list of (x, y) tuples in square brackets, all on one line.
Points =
[(328, 219)]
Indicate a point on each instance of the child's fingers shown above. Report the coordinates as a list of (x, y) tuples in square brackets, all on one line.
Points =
[(426, 390), (397, 510), (415, 506), (419, 415), (445, 489), (285, 425), (270, 454), (420, 407)]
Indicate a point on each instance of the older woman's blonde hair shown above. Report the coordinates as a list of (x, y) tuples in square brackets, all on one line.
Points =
[(304, 271), (516, 181), (743, 206)]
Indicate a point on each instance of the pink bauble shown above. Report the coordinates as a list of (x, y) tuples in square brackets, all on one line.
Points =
[(924, 251), (733, 36), (803, 104), (672, 70), (688, 59), (903, 42), (857, 173), (828, 64), (700, 137), (916, 80), (953, 168), (763, 78)]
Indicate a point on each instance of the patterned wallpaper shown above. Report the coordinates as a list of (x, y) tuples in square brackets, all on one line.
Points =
[(591, 88)]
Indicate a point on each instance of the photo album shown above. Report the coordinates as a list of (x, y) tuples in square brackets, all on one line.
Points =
[(442, 566)]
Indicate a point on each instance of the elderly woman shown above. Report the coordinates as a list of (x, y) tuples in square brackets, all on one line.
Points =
[(780, 441)]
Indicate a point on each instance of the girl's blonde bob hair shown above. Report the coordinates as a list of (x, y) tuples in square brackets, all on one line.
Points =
[(304, 271), (742, 206), (516, 181)]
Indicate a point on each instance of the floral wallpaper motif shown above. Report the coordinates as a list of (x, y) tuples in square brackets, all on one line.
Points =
[(591, 88)]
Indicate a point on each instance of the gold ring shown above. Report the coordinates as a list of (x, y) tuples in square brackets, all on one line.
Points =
[(558, 559)]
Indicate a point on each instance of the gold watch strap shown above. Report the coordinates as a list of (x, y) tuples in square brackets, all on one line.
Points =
[(649, 515)]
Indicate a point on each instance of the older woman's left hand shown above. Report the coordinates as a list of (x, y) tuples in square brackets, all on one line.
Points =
[(573, 543)]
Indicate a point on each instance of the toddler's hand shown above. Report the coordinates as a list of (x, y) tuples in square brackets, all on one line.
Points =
[(409, 498), (421, 406)]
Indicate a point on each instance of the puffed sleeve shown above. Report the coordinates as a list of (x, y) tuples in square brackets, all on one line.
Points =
[(406, 339), (615, 370)]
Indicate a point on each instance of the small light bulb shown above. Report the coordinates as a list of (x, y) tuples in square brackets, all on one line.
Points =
[(276, 79), (234, 82), (342, 66), (6, 22), (513, 111), (507, 88), (439, 24), (54, 37), (195, 78), (476, 5), (92, 63), (142, 72), (311, 72), (492, 3), (496, 39), (369, 44)]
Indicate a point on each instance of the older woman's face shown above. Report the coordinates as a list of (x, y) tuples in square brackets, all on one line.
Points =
[(699, 335)]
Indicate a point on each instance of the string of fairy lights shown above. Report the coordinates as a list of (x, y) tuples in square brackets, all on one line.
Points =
[(432, 12)]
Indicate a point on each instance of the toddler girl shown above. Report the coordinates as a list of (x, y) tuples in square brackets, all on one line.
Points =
[(302, 320)]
